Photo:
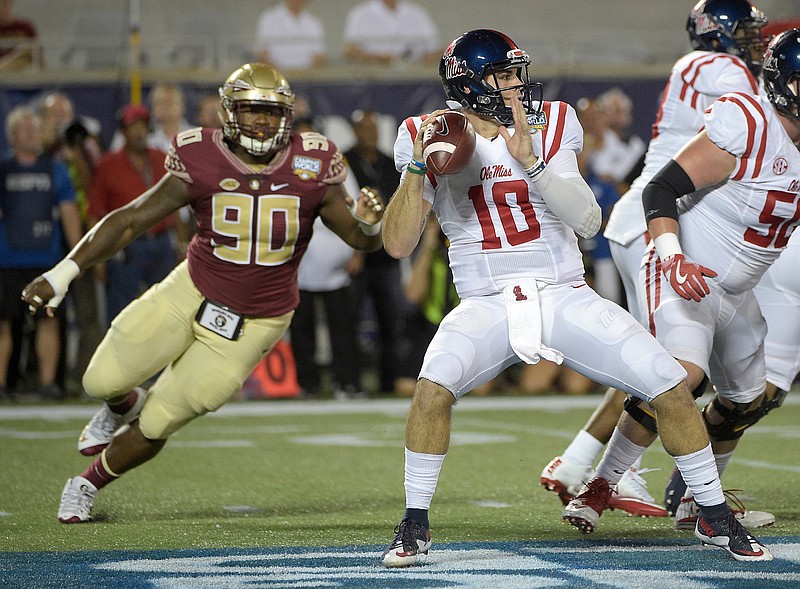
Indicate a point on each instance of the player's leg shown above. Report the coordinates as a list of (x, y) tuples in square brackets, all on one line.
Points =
[(147, 335), (202, 379), (565, 474), (470, 348)]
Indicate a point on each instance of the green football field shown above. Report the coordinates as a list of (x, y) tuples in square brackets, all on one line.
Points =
[(295, 473)]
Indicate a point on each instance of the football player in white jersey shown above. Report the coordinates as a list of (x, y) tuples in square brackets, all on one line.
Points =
[(511, 217), (727, 56), (719, 214)]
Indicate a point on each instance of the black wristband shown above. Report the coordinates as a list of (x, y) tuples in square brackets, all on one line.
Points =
[(659, 197)]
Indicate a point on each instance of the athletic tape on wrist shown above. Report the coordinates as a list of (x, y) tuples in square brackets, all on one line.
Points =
[(667, 245), (368, 229)]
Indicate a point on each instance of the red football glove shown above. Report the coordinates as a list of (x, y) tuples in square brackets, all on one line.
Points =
[(687, 278)]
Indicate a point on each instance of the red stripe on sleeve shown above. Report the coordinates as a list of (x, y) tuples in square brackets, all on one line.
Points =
[(739, 100), (555, 145)]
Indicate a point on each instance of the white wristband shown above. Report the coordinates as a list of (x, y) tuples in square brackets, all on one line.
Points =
[(59, 278), (667, 245), (368, 229)]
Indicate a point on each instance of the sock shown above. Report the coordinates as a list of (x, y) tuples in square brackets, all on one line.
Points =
[(699, 471), (418, 515), (123, 407), (584, 449), (421, 476), (620, 454), (98, 473), (722, 461)]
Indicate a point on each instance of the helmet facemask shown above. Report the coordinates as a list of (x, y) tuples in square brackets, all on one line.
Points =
[(489, 101), (259, 139)]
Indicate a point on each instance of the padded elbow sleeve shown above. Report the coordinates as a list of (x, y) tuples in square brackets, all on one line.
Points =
[(659, 197), (572, 201)]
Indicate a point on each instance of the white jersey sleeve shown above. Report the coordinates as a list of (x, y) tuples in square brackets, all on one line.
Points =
[(729, 116)]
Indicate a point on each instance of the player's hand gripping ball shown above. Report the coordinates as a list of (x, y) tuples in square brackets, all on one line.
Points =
[(448, 143)]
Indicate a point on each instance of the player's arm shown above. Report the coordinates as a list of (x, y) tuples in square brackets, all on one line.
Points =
[(700, 163), (356, 220), (407, 210), (569, 198), (114, 231)]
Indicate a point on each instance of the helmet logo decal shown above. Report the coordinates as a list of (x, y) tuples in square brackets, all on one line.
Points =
[(454, 68), (704, 24), (517, 53), (306, 168)]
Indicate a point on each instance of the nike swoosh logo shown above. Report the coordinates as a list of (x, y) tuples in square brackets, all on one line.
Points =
[(278, 186), (680, 278)]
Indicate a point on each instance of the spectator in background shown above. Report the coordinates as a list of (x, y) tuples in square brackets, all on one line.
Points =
[(380, 280), (76, 141), (169, 116), (18, 37), (37, 215), (120, 177), (324, 277), (289, 37), (621, 150), (388, 31), (208, 113)]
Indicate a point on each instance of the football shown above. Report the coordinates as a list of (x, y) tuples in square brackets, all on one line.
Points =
[(448, 143)]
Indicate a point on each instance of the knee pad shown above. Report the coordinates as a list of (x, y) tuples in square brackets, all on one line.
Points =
[(643, 417), (734, 421), (768, 405)]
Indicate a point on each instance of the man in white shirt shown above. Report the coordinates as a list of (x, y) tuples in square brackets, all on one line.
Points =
[(289, 37), (388, 31)]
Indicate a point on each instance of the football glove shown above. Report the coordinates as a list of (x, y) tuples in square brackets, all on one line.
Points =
[(687, 278)]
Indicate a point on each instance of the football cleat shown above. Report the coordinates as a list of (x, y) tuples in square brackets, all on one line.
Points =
[(77, 500), (688, 512), (565, 478), (728, 533), (411, 540), (585, 509), (101, 429), (631, 496)]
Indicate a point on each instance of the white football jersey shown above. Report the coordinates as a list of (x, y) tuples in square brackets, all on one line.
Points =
[(497, 222), (697, 80), (739, 228)]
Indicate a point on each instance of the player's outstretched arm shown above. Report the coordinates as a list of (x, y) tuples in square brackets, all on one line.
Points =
[(114, 231)]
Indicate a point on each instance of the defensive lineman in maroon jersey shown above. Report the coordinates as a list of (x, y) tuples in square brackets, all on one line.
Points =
[(255, 189)]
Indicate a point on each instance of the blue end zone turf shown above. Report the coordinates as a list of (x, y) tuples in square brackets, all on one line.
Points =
[(585, 563)]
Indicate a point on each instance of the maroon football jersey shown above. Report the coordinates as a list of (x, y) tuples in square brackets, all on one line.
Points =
[(252, 227)]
